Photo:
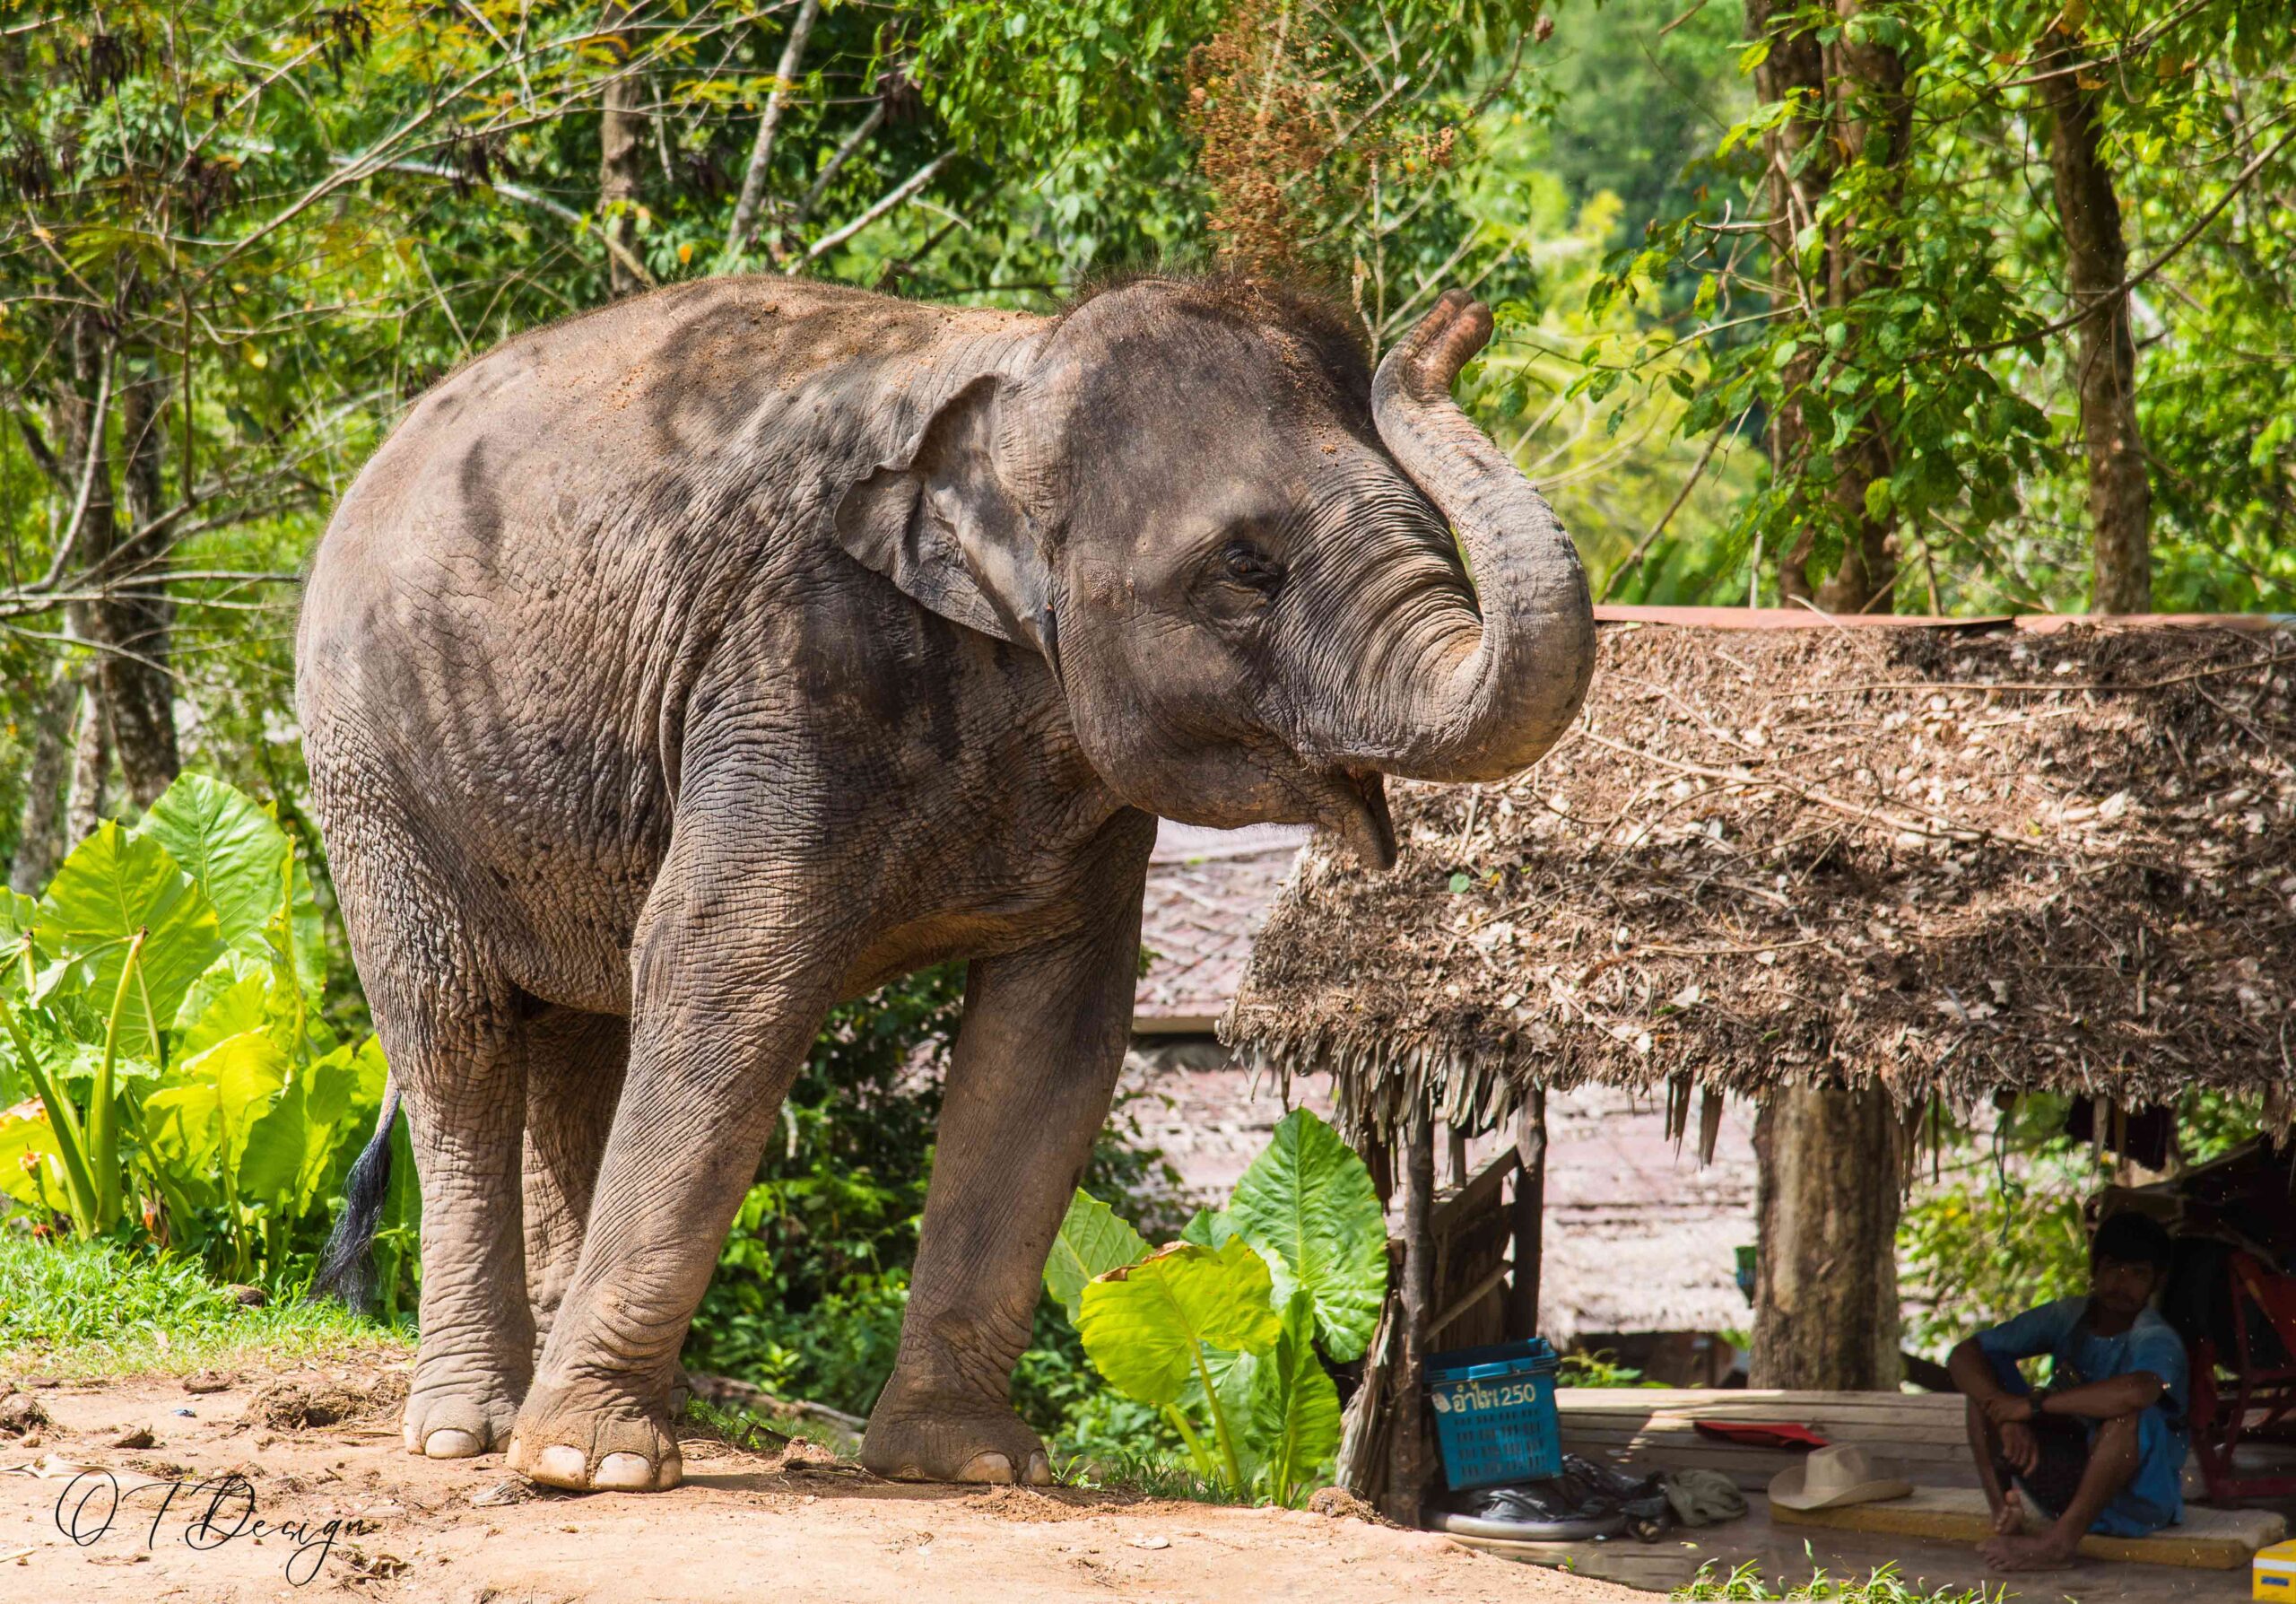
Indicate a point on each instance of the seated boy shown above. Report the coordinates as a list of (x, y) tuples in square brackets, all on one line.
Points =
[(2101, 1448)]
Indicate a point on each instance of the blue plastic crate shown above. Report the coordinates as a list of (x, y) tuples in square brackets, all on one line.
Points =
[(1494, 1412)]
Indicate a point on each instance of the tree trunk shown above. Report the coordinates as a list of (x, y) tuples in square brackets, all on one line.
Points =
[(128, 623), (619, 125), (1826, 1282), (138, 624), (1797, 165), (1854, 108), (1874, 118), (2096, 265), (91, 764), (41, 845)]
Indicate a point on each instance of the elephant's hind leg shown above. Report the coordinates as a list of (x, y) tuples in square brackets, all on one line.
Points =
[(461, 1059), (574, 1070), (1035, 1068)]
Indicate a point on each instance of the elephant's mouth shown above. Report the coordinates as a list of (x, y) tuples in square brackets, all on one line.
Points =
[(1356, 809)]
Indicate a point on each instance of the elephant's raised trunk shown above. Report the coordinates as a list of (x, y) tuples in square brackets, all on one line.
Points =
[(1498, 696)]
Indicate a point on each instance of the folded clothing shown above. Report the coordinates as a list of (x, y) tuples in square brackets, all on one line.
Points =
[(1703, 1497), (1762, 1433)]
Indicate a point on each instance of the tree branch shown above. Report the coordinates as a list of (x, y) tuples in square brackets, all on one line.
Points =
[(94, 457), (37, 444), (525, 197), (761, 152), (843, 153), (2240, 180), (893, 199)]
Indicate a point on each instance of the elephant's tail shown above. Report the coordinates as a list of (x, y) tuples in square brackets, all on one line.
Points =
[(347, 1265)]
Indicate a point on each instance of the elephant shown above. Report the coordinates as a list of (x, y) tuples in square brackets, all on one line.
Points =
[(673, 673)]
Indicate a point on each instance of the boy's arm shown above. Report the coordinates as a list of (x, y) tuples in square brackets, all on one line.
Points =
[(1973, 1373), (2128, 1394)]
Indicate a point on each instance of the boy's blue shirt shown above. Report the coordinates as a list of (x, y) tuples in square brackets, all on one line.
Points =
[(2154, 1496)]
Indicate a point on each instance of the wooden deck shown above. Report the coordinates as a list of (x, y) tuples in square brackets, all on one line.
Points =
[(1651, 1428), (1921, 1434)]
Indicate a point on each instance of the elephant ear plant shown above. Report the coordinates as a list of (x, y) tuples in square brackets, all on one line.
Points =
[(158, 1001), (1226, 1329)]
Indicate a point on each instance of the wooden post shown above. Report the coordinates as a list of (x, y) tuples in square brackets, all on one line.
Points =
[(1529, 1216), (1455, 1144), (1408, 1472)]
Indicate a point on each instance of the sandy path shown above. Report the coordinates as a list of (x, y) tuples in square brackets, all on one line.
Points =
[(745, 1526)]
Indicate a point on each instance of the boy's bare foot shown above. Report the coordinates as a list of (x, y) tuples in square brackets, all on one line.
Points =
[(2009, 1520), (2025, 1553)]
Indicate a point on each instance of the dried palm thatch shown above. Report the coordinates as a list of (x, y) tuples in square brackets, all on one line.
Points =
[(1947, 860)]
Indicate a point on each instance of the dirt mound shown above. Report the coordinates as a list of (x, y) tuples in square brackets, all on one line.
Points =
[(1042, 1504), (21, 1414), (295, 1404)]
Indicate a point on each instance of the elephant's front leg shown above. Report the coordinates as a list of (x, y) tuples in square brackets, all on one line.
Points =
[(1029, 1089), (726, 1004)]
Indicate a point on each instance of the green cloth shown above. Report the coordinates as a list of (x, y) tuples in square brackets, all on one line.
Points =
[(1703, 1497)]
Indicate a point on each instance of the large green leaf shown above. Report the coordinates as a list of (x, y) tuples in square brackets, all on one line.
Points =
[(1294, 1407), (18, 915), (241, 1006), (228, 844), (290, 1147), (1234, 1377), (1145, 1327), (31, 1164), (1308, 1204), (1092, 1242), (1210, 1228), (113, 886), (197, 1124)]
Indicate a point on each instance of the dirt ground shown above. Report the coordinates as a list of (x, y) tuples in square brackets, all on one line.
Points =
[(124, 1495)]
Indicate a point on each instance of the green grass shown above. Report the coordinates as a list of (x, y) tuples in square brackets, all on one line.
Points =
[(1884, 1586), (1149, 1476), (74, 1309)]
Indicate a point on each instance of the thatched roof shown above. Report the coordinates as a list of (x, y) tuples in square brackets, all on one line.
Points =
[(1947, 859)]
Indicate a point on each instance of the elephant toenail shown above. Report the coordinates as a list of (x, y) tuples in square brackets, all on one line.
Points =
[(1040, 1470), (987, 1466), (559, 1465), (624, 1473), (452, 1442), (673, 1471)]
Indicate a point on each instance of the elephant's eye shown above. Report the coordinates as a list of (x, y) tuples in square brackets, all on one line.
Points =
[(1247, 564)]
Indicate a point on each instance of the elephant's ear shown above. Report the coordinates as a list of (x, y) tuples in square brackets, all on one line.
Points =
[(943, 527)]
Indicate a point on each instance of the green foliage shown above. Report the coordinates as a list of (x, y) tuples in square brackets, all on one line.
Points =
[(1743, 1584), (1092, 1242), (1600, 1368), (161, 1004), (1142, 1474), (1327, 1235), (1950, 345), (2000, 1228), (1221, 1328), (80, 1308)]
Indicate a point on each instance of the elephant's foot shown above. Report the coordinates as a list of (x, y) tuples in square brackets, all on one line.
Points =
[(594, 1445), (964, 1443), (453, 1414)]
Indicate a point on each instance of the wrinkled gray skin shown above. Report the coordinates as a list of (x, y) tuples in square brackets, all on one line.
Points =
[(674, 673)]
